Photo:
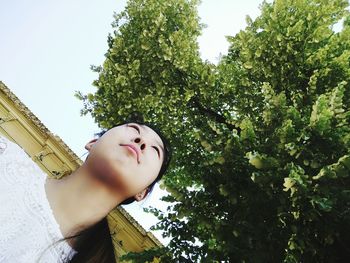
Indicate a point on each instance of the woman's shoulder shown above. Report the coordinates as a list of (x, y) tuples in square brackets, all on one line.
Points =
[(9, 147), (16, 166)]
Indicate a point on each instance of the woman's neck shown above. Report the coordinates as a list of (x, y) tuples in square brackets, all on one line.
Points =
[(80, 200)]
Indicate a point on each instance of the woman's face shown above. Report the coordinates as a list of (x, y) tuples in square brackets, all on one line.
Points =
[(128, 158)]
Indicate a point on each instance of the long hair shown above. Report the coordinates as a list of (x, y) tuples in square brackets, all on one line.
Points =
[(94, 244)]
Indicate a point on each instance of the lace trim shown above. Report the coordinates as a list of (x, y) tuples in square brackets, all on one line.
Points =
[(35, 198), (3, 144)]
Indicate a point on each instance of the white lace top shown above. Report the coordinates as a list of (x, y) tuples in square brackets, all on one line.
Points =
[(27, 223)]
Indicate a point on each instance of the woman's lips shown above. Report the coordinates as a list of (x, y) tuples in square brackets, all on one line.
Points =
[(133, 149)]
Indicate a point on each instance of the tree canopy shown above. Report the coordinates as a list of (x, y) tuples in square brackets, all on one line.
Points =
[(261, 141)]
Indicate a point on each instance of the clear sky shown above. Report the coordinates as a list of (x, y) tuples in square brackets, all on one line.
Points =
[(47, 47)]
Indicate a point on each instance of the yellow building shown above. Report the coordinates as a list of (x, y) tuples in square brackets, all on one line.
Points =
[(56, 159)]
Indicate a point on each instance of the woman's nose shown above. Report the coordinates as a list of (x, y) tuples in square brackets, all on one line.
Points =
[(141, 142)]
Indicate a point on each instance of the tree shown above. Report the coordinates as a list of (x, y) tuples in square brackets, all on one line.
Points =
[(261, 141)]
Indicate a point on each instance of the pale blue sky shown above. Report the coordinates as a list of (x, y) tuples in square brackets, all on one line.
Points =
[(47, 47)]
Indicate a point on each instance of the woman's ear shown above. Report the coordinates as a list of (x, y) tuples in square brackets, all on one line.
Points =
[(141, 195), (89, 144)]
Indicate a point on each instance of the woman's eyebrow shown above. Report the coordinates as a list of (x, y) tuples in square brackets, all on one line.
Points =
[(160, 146)]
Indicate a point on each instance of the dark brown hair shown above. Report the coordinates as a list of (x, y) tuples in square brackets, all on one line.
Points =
[(94, 244)]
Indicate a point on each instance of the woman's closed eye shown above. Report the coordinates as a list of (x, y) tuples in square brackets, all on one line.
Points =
[(138, 130), (135, 127), (157, 150)]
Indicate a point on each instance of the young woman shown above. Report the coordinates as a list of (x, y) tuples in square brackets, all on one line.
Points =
[(122, 166)]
